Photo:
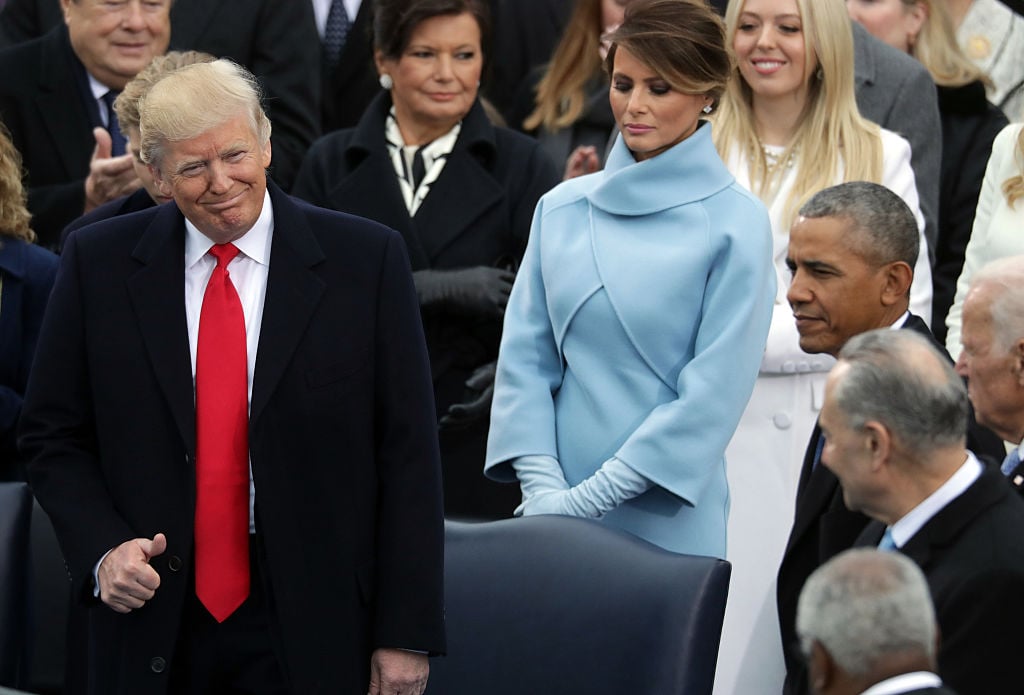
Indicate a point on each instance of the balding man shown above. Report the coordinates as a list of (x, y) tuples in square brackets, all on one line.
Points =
[(893, 419), (867, 625), (992, 359)]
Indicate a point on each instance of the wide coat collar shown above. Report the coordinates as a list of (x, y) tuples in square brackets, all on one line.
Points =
[(157, 290), (465, 190), (686, 173)]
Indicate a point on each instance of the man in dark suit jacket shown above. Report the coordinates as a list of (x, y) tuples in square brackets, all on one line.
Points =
[(852, 253), (342, 588), (52, 100), (867, 624), (893, 416), (274, 39)]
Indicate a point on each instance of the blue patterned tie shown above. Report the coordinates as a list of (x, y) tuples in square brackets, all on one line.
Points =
[(335, 32), (117, 140), (887, 543), (1011, 462)]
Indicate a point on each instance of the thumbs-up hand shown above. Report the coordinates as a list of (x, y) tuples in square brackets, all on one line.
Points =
[(125, 577)]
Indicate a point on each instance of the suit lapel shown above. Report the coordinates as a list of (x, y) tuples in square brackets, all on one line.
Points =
[(60, 106), (941, 530), (293, 292), (157, 292), (459, 197), (371, 191)]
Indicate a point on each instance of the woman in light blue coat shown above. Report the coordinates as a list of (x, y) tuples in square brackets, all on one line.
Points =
[(639, 317)]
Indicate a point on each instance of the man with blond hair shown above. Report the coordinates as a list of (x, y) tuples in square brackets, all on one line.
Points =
[(231, 426)]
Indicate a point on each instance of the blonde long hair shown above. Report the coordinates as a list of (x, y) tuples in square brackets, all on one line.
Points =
[(832, 138), (561, 93), (939, 51)]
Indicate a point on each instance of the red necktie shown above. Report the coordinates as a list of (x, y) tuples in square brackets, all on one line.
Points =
[(222, 456)]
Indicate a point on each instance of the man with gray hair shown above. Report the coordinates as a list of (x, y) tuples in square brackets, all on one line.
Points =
[(232, 428), (867, 626), (893, 419), (851, 252), (992, 359)]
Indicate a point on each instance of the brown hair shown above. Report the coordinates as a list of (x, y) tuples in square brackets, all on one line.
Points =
[(14, 215), (394, 21), (683, 41)]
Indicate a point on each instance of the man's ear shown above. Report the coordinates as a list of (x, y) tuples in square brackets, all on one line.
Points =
[(821, 669), (878, 440), (1017, 352), (162, 184), (898, 278)]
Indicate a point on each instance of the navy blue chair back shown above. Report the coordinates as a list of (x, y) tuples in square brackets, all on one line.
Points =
[(15, 568), (559, 605)]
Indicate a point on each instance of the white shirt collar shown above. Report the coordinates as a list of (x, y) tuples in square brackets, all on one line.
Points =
[(255, 243), (904, 529), (905, 683), (901, 320)]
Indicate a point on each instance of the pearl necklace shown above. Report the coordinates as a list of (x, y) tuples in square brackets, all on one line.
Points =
[(772, 156)]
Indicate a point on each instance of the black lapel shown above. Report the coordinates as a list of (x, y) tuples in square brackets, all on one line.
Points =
[(157, 292), (60, 106), (293, 292)]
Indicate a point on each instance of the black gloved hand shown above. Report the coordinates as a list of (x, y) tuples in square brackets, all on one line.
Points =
[(481, 383), (480, 290)]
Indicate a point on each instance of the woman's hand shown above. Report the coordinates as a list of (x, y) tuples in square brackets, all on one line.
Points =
[(583, 160)]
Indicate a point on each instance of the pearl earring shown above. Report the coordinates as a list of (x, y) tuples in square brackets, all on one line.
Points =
[(707, 108), (386, 82)]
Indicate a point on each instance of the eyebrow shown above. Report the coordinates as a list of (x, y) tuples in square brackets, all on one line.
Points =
[(788, 15)]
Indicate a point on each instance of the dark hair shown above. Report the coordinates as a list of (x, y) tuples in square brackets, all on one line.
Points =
[(882, 227), (394, 21), (683, 41)]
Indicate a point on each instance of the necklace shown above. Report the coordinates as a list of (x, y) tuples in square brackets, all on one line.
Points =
[(773, 157)]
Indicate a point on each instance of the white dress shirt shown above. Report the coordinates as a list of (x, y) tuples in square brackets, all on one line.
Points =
[(904, 529), (248, 272), (905, 683)]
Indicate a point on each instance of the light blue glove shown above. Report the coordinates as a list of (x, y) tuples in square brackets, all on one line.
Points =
[(546, 492)]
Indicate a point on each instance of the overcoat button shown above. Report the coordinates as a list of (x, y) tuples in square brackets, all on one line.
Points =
[(782, 421), (174, 563), (157, 664)]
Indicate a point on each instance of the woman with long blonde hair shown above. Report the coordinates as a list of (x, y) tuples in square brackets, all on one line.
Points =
[(787, 127), (970, 123), (27, 272)]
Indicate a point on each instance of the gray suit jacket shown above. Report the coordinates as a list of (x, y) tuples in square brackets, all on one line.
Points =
[(896, 92)]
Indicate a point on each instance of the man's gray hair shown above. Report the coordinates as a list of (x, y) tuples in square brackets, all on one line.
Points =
[(899, 378), (194, 99), (882, 228), (865, 604), (1007, 307)]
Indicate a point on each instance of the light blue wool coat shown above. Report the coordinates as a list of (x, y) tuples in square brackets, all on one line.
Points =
[(635, 329)]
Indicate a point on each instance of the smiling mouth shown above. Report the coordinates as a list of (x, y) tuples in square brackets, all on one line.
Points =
[(227, 203), (767, 66)]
